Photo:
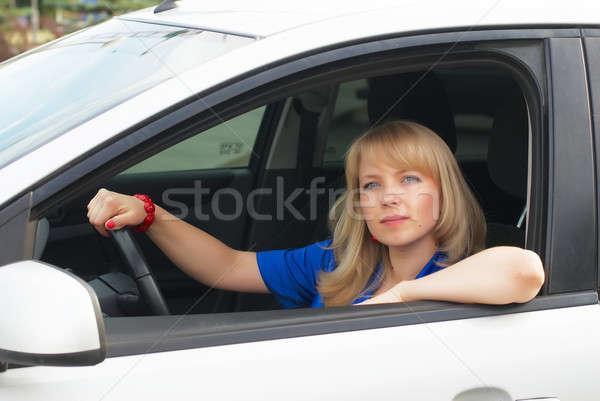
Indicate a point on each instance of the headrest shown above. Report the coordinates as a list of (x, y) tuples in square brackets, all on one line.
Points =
[(507, 148), (426, 103)]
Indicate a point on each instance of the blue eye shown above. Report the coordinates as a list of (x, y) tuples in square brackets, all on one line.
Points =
[(411, 179), (370, 185)]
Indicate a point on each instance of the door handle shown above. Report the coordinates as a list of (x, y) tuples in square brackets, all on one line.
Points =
[(539, 399), (493, 394)]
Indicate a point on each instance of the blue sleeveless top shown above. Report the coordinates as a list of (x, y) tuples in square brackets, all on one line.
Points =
[(291, 274)]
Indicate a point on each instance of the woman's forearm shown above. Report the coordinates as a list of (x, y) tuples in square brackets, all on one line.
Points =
[(497, 275), (197, 253), (203, 257)]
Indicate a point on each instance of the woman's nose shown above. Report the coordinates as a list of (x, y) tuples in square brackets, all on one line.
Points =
[(392, 197)]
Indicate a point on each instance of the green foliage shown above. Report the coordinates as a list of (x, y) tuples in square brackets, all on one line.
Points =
[(6, 12), (15, 10), (48, 7), (109, 6)]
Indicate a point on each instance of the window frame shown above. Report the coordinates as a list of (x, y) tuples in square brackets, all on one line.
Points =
[(591, 42), (233, 98), (571, 247)]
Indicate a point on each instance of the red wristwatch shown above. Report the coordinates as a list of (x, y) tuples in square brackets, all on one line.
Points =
[(149, 207)]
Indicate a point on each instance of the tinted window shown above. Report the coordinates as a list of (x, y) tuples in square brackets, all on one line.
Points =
[(227, 145), (349, 120)]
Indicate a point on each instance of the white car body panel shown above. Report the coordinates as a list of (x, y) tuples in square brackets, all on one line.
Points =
[(551, 344), (356, 21), (269, 17)]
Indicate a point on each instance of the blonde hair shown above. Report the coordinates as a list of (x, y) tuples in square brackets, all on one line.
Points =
[(460, 230)]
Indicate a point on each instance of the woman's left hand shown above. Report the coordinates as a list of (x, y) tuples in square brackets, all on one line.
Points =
[(392, 295)]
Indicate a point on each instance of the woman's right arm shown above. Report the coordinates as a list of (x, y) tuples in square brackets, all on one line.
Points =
[(200, 255)]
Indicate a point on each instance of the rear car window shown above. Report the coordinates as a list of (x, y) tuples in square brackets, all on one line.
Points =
[(228, 144)]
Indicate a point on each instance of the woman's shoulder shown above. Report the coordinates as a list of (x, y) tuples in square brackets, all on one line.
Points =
[(292, 274), (325, 244), (315, 256), (322, 252), (321, 247), (316, 247)]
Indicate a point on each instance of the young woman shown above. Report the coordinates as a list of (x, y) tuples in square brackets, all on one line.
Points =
[(406, 214)]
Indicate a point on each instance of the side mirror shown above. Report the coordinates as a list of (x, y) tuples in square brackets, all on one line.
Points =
[(48, 317)]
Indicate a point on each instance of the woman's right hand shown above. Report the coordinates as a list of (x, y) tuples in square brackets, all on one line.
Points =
[(112, 210)]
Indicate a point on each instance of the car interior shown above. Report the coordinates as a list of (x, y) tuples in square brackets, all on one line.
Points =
[(479, 111)]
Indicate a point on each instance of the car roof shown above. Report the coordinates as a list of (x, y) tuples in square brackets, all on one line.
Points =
[(262, 18)]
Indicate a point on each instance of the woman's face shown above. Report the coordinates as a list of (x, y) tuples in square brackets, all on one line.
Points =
[(401, 207)]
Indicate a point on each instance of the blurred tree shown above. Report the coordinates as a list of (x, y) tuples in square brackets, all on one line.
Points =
[(110, 6), (56, 18)]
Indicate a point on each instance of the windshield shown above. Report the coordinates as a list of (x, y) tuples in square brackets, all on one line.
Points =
[(72, 80)]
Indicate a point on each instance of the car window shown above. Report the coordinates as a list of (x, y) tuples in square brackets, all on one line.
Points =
[(228, 144), (349, 119), (262, 207), (115, 60)]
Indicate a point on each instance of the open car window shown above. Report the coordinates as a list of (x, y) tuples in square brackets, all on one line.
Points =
[(479, 112), (206, 180)]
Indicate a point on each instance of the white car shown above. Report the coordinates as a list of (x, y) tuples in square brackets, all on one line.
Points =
[(224, 112)]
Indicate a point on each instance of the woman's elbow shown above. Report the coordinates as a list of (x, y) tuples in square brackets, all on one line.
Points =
[(529, 275)]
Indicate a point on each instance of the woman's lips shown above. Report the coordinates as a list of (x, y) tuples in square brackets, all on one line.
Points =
[(393, 220)]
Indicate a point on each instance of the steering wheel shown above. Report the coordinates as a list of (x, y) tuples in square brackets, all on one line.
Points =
[(140, 271)]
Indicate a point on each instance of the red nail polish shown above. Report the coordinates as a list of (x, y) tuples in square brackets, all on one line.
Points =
[(110, 224)]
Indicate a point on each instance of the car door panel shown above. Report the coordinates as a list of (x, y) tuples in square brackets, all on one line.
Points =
[(401, 360)]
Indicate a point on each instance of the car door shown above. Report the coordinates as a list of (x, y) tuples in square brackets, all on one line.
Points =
[(515, 351)]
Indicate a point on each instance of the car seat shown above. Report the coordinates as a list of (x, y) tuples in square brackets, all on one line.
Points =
[(416, 96)]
